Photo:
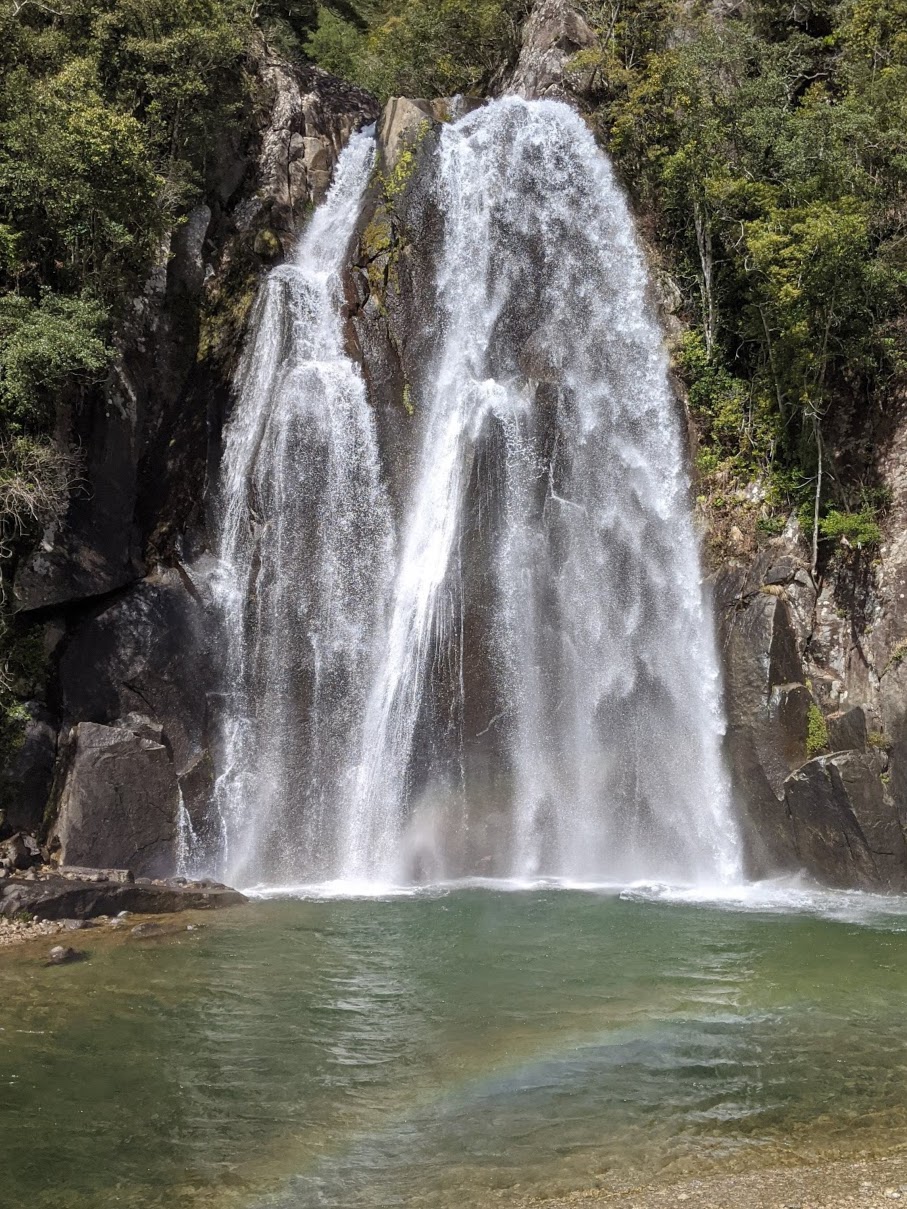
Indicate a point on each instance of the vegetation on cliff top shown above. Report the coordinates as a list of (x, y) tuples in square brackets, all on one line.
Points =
[(421, 48), (768, 148)]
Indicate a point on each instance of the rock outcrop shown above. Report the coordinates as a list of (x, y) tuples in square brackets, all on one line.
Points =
[(119, 801), (73, 898), (554, 33), (815, 725), (845, 829)]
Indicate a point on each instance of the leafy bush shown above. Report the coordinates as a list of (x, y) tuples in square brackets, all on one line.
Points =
[(857, 528), (44, 346), (816, 732), (428, 48)]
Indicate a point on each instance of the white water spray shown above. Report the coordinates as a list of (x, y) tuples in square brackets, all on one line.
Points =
[(305, 545), (530, 687)]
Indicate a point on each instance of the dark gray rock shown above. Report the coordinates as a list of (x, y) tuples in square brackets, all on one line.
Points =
[(847, 730), (25, 782), (148, 651), (766, 703), (60, 898), (846, 830), (118, 802), (96, 547)]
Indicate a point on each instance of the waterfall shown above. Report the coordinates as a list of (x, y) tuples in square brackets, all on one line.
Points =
[(305, 543), (523, 683)]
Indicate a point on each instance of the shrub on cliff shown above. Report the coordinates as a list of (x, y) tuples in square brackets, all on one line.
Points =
[(426, 48), (769, 149)]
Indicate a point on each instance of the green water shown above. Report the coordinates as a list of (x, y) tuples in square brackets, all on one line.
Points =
[(468, 1049)]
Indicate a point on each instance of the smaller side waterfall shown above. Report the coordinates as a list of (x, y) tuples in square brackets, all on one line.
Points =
[(301, 498)]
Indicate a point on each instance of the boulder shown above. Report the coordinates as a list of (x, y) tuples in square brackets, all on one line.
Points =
[(846, 830), (61, 955), (118, 803), (767, 704), (60, 898), (847, 730), (20, 851), (147, 930), (401, 121), (150, 674), (553, 34)]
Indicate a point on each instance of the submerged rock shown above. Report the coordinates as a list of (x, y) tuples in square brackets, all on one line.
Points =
[(61, 955), (146, 930)]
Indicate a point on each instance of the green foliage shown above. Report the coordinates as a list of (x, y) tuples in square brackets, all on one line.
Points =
[(76, 184), (426, 48), (337, 45), (393, 185), (816, 732), (45, 346), (879, 740), (737, 423), (770, 148), (859, 529)]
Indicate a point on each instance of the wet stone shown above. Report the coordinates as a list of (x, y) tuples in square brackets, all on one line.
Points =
[(61, 955)]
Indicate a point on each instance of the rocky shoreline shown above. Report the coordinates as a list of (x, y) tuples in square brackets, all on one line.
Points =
[(46, 900), (869, 1183)]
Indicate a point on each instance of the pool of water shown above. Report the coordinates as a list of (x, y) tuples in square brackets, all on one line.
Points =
[(463, 1048)]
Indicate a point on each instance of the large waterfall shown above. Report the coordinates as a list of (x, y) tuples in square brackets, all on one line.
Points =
[(516, 676)]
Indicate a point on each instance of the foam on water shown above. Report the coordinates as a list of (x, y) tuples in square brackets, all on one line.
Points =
[(790, 895)]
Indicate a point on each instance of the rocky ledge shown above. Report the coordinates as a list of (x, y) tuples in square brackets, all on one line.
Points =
[(51, 894)]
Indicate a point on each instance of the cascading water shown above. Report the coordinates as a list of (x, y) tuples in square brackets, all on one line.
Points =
[(529, 686), (305, 544)]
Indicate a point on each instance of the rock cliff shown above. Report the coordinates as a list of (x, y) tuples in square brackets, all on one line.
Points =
[(119, 738)]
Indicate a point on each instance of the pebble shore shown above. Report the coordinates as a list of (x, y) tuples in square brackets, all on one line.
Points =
[(19, 932), (861, 1184)]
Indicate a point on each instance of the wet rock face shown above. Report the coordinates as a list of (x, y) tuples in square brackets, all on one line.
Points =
[(554, 32), (846, 830), (815, 737), (766, 703), (118, 803)]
